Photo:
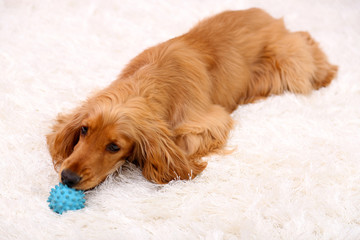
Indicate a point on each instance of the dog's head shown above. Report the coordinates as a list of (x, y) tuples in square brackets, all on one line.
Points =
[(100, 136), (90, 144)]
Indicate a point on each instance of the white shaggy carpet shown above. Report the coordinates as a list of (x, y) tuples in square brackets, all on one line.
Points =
[(294, 175)]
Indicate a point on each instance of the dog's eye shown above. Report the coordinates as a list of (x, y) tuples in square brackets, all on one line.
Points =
[(84, 130), (112, 147)]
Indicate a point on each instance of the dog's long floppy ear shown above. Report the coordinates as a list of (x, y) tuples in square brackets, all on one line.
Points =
[(64, 136), (159, 157)]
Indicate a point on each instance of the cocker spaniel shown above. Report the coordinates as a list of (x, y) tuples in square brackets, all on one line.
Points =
[(171, 104)]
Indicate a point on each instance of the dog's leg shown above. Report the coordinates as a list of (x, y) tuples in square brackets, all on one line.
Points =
[(292, 63), (324, 71), (302, 64), (204, 133)]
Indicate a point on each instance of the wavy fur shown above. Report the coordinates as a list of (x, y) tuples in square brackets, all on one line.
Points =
[(171, 105)]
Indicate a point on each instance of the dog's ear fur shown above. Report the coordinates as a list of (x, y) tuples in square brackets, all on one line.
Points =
[(159, 157), (64, 136)]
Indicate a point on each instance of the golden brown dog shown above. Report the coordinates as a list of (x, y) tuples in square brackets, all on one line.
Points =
[(171, 105)]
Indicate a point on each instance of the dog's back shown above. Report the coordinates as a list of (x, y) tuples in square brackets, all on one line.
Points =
[(239, 57), (252, 55)]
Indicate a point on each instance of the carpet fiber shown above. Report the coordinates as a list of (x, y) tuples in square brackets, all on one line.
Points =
[(295, 173)]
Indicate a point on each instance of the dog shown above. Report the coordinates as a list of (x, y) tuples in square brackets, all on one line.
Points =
[(171, 104)]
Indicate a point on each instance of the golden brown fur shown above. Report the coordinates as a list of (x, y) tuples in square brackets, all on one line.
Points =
[(170, 106)]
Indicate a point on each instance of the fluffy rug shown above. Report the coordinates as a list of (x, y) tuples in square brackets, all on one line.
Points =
[(295, 173)]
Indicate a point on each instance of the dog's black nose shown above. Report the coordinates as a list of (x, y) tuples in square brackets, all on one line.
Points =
[(69, 178)]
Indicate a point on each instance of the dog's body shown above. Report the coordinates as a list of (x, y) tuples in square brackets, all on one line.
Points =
[(170, 106)]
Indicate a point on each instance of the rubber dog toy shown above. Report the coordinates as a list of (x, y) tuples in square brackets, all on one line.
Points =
[(62, 198)]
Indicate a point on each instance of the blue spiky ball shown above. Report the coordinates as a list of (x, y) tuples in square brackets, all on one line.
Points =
[(62, 198)]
